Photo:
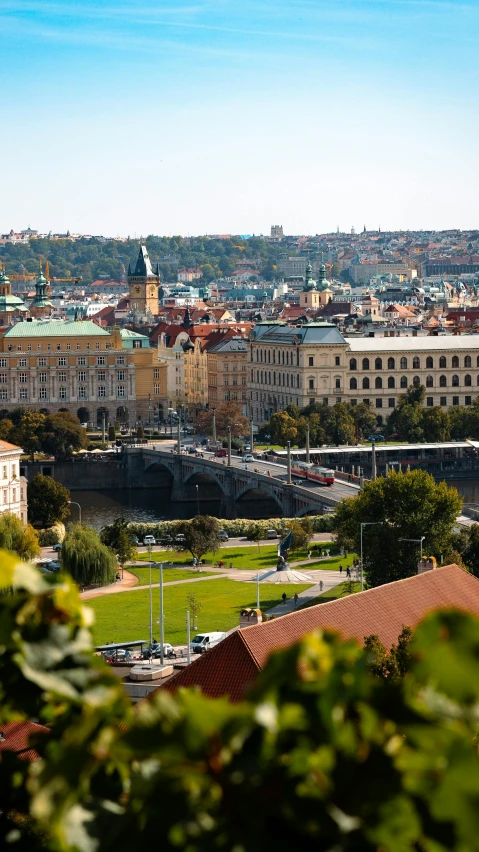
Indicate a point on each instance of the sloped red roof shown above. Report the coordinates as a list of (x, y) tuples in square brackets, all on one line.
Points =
[(15, 737), (231, 666)]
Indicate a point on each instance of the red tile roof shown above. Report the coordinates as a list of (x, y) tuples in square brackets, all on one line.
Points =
[(231, 667), (15, 737)]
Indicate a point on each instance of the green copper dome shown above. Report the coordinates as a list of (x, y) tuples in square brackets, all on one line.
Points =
[(41, 300), (323, 282), (309, 284), (8, 302)]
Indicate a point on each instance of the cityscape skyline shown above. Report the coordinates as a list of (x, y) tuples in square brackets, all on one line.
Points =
[(195, 119)]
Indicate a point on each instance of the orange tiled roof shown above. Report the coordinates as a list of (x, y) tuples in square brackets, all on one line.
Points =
[(232, 666), (15, 737)]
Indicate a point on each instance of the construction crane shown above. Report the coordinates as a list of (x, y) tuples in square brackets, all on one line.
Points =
[(31, 276)]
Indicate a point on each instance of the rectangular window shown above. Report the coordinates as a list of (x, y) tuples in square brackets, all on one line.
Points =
[(430, 402), (243, 368), (455, 400), (226, 382), (366, 401), (337, 360), (62, 376), (3, 362), (120, 376), (29, 347), (101, 361), (243, 395), (23, 393), (82, 376), (22, 362), (234, 395), (443, 400), (42, 378), (4, 472), (311, 384), (379, 403), (325, 401), (101, 391), (235, 368), (69, 346), (82, 393), (23, 378), (78, 346), (97, 345), (43, 393), (156, 373), (156, 389), (42, 362), (81, 361), (225, 367), (120, 359), (338, 384), (468, 400), (121, 392), (353, 402), (243, 380), (3, 378), (235, 381), (311, 361), (4, 395), (62, 362), (101, 376), (62, 393), (392, 403)]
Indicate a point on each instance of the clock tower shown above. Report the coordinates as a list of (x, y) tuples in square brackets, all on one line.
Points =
[(143, 284)]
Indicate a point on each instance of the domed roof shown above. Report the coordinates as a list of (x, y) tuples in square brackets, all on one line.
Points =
[(309, 284), (323, 283), (8, 302)]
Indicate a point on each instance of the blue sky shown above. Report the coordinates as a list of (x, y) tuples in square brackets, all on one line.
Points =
[(137, 117)]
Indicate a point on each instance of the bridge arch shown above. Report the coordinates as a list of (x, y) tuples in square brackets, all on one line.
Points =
[(253, 493), (309, 510), (203, 474)]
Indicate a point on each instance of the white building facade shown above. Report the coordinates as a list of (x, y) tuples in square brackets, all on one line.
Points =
[(13, 487)]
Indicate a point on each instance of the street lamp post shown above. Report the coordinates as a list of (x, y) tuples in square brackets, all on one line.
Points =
[(251, 436), (197, 501), (365, 524), (289, 480), (229, 446), (73, 503), (213, 424), (151, 601), (307, 445), (417, 540), (162, 619)]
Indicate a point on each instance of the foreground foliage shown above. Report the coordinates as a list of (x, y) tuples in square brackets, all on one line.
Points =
[(324, 755), (19, 539)]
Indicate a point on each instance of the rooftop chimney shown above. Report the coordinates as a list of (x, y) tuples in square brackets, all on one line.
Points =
[(427, 563)]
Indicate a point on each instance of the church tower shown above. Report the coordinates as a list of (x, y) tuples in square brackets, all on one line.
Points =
[(143, 284), (41, 305), (309, 297)]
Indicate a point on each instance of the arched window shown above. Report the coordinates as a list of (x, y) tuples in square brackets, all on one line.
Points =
[(274, 378), (404, 381), (391, 382), (442, 382), (353, 364), (391, 364), (477, 361), (416, 381), (455, 381), (467, 361), (269, 356), (429, 382), (378, 364), (287, 380), (365, 363), (455, 361), (353, 384), (442, 362), (403, 364), (467, 381), (429, 363), (365, 384), (378, 382), (416, 364)]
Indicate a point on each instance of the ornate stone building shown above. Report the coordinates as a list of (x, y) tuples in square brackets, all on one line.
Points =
[(143, 284)]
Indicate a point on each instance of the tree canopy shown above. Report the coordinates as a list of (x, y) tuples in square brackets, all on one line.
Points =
[(117, 537), (48, 501), (85, 557), (226, 414), (401, 506), (201, 535), (322, 754), (19, 539)]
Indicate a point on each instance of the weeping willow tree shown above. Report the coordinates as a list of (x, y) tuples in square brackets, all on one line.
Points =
[(19, 539), (87, 560)]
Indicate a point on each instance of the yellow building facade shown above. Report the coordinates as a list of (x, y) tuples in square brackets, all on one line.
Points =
[(80, 367)]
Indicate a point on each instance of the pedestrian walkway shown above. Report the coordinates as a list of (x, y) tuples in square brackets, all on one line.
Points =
[(330, 579)]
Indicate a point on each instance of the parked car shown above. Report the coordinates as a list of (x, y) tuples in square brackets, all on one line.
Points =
[(134, 539), (248, 457), (223, 535), (149, 539), (205, 641), (179, 538), (271, 534), (375, 438), (117, 655), (165, 539), (168, 651), (247, 448), (221, 452), (192, 450), (57, 548)]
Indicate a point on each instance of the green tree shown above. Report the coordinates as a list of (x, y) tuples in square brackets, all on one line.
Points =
[(293, 410), (365, 419), (301, 534), (338, 424), (282, 428), (6, 430), (19, 539), (63, 435), (391, 664), (201, 535), (85, 557), (48, 501), (226, 414), (140, 432), (29, 432), (117, 537), (470, 548), (436, 424), (408, 506), (319, 728)]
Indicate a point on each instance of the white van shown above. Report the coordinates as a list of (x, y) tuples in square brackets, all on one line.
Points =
[(205, 641), (149, 539)]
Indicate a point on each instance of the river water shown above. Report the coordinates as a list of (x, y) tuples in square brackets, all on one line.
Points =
[(154, 504)]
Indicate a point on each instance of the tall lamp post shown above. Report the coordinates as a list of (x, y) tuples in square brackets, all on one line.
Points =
[(365, 524), (197, 501), (229, 446), (151, 601), (73, 503), (417, 540)]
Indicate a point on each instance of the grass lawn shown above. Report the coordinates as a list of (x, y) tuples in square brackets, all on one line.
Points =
[(342, 590), (249, 558), (125, 617), (169, 573)]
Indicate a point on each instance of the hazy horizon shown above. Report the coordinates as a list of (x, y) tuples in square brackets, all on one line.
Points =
[(140, 117)]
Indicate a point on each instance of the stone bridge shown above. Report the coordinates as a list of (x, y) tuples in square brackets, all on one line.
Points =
[(234, 483)]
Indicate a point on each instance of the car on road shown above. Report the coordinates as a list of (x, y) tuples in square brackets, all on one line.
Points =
[(222, 452), (155, 649), (249, 457), (192, 450), (375, 438), (149, 539), (271, 534), (223, 535), (165, 539), (180, 539), (57, 547), (247, 448), (134, 539)]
